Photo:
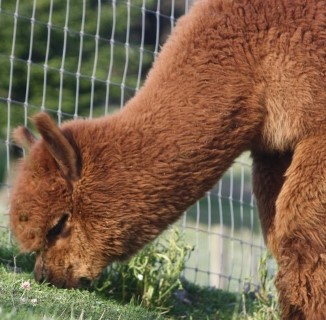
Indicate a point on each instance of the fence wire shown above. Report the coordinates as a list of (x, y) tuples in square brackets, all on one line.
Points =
[(86, 59)]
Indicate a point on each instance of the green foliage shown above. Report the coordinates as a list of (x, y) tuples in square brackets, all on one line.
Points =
[(34, 49), (207, 303), (260, 303), (69, 57), (22, 298), (151, 279), (152, 276)]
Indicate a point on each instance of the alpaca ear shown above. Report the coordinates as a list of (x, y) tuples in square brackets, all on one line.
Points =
[(24, 137), (58, 145)]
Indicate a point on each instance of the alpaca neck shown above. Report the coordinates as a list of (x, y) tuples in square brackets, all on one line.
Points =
[(194, 115), (176, 148)]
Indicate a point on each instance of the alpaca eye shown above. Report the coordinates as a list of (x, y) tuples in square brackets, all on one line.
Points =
[(57, 229)]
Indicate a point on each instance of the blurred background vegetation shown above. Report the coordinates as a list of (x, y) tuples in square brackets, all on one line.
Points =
[(75, 58), (67, 55)]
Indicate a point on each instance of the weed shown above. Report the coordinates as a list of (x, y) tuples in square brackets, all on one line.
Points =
[(152, 276), (260, 302)]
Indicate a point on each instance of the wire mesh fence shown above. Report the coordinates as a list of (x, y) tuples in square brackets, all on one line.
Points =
[(86, 59)]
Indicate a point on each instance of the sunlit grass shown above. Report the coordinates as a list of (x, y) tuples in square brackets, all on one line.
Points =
[(149, 286)]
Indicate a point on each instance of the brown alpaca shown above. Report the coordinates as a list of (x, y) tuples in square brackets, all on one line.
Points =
[(234, 76)]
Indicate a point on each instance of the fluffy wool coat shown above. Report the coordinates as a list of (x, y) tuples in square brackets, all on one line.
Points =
[(233, 76)]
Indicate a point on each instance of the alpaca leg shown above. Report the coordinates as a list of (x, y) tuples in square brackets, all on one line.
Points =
[(300, 233), (268, 178)]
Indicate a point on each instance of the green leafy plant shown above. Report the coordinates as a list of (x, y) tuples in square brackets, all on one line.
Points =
[(152, 276), (261, 301)]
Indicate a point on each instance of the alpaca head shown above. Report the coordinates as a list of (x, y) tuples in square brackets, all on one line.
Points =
[(45, 206)]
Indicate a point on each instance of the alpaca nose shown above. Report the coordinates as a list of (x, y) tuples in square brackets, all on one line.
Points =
[(84, 282), (39, 278), (39, 273)]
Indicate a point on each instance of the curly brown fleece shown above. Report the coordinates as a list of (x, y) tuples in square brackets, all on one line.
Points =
[(234, 76)]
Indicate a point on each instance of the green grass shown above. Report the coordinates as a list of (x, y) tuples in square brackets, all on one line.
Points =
[(121, 293), (41, 301)]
